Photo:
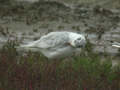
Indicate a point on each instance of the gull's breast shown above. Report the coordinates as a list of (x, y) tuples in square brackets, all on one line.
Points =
[(58, 53)]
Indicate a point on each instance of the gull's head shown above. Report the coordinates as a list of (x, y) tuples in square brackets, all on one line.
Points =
[(78, 41)]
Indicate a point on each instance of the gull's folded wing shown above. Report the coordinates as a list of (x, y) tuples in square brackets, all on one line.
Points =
[(54, 39)]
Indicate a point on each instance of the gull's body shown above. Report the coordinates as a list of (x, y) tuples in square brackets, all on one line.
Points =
[(57, 44)]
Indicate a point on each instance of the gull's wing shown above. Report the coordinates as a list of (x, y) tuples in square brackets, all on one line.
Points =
[(51, 40)]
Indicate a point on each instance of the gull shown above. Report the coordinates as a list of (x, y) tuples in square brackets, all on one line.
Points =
[(57, 44)]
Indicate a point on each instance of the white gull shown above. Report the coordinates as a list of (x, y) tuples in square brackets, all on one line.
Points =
[(57, 44)]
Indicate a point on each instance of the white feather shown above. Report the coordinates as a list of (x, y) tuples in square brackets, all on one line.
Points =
[(117, 46), (56, 44)]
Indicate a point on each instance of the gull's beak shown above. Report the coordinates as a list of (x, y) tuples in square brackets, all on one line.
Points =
[(70, 44)]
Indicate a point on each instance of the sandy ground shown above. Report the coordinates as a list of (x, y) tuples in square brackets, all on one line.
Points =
[(100, 25)]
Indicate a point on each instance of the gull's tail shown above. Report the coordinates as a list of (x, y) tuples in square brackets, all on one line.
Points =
[(30, 45), (26, 47)]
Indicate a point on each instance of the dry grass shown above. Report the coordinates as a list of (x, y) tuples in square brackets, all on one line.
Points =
[(35, 72)]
